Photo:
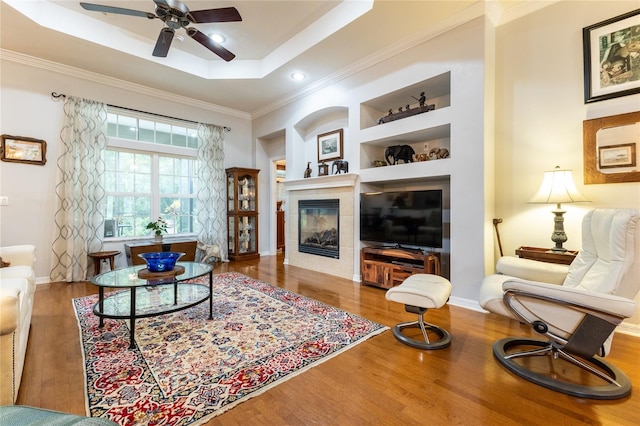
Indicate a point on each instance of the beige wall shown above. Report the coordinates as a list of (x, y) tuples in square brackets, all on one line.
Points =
[(539, 113)]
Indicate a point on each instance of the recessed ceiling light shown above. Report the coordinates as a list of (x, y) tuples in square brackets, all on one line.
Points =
[(217, 38), (298, 76)]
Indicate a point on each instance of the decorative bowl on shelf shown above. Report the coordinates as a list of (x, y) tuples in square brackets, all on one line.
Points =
[(161, 261)]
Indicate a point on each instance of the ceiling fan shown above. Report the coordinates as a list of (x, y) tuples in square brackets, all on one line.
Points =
[(175, 15)]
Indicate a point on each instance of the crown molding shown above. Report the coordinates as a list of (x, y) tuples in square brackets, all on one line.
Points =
[(32, 61), (468, 14), (522, 9)]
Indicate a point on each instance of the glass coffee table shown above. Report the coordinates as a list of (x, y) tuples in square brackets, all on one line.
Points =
[(141, 298)]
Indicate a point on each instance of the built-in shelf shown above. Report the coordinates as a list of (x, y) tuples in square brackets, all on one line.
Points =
[(437, 91), (423, 171), (423, 132)]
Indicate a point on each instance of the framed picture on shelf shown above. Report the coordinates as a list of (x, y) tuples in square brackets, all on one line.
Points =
[(21, 149), (330, 145), (610, 149), (611, 51)]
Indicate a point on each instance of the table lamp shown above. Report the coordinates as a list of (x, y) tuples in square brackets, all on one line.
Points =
[(558, 187)]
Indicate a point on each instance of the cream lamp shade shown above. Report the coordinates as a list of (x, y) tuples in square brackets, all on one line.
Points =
[(558, 187)]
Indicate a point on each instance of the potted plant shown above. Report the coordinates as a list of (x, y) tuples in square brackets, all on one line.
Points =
[(158, 227)]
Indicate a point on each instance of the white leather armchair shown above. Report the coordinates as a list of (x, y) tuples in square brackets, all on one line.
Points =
[(17, 289), (576, 307)]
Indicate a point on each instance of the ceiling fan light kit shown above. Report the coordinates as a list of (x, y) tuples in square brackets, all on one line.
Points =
[(176, 15)]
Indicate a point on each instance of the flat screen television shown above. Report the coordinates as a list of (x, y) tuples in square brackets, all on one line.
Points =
[(403, 219)]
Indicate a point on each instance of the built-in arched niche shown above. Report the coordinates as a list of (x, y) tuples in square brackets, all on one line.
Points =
[(321, 122)]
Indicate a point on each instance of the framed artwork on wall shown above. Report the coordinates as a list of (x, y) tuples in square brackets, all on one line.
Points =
[(610, 149), (330, 145), (611, 51), (614, 156), (21, 149)]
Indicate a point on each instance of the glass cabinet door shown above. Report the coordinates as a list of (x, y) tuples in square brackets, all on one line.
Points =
[(246, 193), (231, 187), (246, 234), (242, 213), (232, 234)]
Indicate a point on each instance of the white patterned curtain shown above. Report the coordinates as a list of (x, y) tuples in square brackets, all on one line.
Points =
[(212, 196), (80, 192)]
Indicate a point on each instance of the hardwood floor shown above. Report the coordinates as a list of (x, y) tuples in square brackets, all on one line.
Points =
[(380, 381)]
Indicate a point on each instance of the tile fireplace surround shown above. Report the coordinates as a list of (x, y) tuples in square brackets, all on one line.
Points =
[(342, 187)]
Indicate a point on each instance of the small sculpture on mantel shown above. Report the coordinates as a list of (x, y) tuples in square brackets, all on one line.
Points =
[(307, 172), (340, 166)]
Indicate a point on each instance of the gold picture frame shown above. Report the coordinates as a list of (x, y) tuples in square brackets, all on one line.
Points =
[(20, 149), (615, 137), (330, 145)]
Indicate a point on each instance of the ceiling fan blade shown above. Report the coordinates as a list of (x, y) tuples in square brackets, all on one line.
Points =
[(117, 10), (223, 14), (164, 42), (206, 41)]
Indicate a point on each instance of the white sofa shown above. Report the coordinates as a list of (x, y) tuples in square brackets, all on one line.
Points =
[(17, 288)]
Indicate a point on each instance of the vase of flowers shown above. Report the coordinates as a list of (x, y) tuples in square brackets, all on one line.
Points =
[(158, 227)]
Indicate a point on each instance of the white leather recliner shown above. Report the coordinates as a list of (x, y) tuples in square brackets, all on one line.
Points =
[(576, 307)]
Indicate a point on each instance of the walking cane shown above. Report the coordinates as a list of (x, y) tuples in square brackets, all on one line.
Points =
[(495, 224)]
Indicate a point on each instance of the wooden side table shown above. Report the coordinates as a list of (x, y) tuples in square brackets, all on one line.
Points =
[(99, 256), (546, 255)]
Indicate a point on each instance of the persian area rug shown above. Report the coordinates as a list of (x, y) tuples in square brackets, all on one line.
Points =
[(187, 369)]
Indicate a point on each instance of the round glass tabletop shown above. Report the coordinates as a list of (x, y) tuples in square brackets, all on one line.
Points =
[(128, 277)]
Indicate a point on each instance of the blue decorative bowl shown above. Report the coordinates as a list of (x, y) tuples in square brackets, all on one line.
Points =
[(161, 261)]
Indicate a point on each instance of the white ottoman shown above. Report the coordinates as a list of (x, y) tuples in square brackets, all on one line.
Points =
[(419, 293)]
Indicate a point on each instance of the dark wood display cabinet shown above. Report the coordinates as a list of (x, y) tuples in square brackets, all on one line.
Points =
[(389, 267), (242, 213)]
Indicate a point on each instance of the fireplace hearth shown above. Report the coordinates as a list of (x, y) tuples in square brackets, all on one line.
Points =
[(319, 227)]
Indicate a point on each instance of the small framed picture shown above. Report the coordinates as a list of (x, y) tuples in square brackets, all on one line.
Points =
[(21, 149), (611, 49), (622, 155), (610, 149), (330, 145)]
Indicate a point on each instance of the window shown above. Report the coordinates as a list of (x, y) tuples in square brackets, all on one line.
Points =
[(150, 172)]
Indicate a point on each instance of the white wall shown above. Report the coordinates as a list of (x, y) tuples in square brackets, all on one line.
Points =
[(27, 109), (464, 58)]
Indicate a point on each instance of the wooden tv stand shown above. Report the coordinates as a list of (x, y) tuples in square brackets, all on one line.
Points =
[(389, 267)]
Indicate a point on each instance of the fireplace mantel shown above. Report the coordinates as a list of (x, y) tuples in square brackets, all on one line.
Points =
[(341, 187), (321, 182)]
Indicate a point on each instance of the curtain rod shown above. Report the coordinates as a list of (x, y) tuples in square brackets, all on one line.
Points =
[(62, 95)]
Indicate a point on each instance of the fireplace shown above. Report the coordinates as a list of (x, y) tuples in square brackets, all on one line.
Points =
[(319, 227)]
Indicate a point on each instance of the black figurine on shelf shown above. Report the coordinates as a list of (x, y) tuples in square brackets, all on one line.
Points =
[(422, 99), (307, 172)]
